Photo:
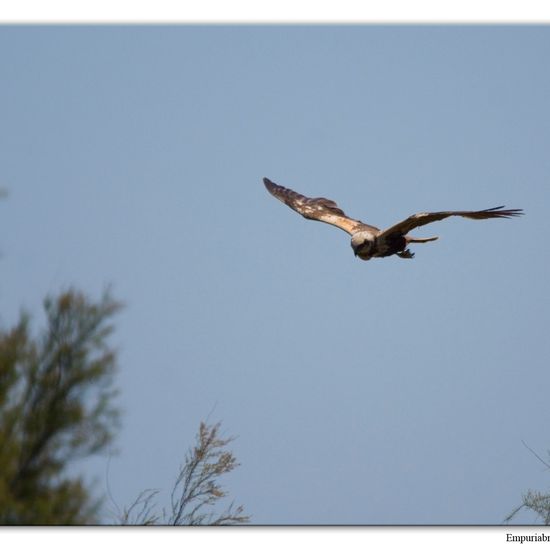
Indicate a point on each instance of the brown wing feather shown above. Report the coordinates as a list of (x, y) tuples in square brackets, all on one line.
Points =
[(417, 220), (319, 209)]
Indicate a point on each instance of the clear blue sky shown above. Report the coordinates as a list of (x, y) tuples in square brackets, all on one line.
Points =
[(381, 392)]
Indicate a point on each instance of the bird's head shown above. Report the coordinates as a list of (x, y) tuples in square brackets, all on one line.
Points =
[(362, 244)]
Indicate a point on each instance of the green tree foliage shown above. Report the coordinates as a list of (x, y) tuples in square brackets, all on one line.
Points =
[(197, 491), (56, 405), (534, 501)]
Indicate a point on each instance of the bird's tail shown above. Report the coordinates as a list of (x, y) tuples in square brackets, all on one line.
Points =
[(421, 239)]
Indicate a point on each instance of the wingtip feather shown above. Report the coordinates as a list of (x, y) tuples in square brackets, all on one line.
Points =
[(508, 213), (270, 186)]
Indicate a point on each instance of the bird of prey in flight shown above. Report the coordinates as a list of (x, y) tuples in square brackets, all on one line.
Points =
[(368, 241)]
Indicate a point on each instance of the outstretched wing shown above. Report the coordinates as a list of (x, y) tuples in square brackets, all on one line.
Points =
[(320, 209), (417, 220)]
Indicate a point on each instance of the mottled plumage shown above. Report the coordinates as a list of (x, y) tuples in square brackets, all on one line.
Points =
[(368, 241)]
